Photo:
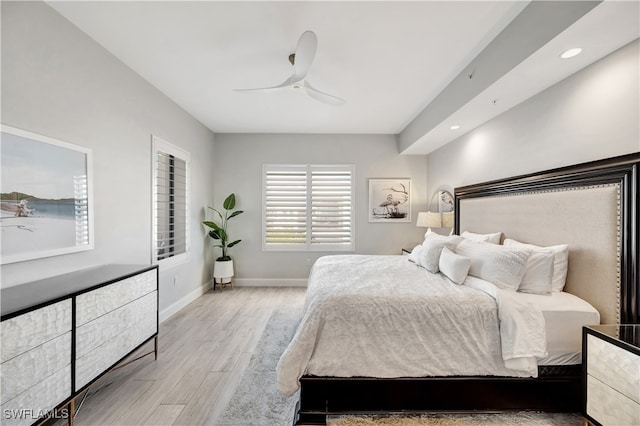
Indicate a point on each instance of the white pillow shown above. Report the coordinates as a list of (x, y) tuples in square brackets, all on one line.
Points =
[(432, 247), (415, 253), (454, 266), (538, 273), (489, 238), (430, 235), (503, 266), (560, 261)]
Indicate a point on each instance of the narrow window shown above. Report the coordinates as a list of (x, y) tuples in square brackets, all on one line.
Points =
[(170, 203)]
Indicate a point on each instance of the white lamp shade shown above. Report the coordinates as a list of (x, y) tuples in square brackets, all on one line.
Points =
[(429, 220), (447, 219)]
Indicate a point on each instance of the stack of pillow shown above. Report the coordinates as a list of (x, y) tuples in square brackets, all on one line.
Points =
[(514, 266)]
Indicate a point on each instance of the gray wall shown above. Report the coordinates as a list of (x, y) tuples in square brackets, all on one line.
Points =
[(58, 82), (591, 115), (238, 168)]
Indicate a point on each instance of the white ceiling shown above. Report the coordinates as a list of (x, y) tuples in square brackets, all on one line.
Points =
[(387, 59)]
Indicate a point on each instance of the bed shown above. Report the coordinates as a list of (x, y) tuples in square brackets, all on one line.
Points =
[(592, 207)]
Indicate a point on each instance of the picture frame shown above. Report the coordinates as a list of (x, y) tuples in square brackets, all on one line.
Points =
[(46, 197), (390, 200)]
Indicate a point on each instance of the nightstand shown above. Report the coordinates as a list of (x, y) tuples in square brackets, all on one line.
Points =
[(611, 374)]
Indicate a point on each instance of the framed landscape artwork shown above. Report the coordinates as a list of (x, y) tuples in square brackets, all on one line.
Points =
[(45, 197), (390, 200)]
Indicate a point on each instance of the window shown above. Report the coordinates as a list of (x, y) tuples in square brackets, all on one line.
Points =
[(170, 203), (308, 207)]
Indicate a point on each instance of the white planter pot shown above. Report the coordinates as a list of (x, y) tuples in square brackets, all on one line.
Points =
[(223, 271)]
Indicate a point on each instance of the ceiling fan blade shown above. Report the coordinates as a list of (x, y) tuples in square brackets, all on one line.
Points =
[(286, 83), (304, 54), (322, 96)]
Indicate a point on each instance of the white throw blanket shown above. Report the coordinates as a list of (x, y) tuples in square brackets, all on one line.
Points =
[(382, 316)]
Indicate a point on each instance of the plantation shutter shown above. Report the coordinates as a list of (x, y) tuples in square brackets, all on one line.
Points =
[(308, 207), (285, 208), (170, 202), (331, 206)]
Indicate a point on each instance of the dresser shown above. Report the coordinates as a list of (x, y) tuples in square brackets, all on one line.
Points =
[(611, 370), (60, 334)]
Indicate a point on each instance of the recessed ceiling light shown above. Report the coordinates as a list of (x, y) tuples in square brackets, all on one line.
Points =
[(454, 127), (571, 53)]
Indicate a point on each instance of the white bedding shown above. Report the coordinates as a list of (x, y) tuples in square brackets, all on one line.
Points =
[(564, 316), (382, 316)]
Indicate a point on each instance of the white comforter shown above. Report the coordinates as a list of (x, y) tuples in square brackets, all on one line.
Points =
[(382, 316)]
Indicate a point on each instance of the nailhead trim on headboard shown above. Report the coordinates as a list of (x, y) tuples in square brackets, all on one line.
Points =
[(621, 172)]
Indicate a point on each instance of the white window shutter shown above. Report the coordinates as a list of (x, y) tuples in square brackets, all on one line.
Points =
[(285, 208), (308, 207), (331, 207)]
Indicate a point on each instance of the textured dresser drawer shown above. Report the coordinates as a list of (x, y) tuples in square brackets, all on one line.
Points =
[(94, 333), (105, 299), (610, 407), (614, 366), (104, 311), (25, 332), (27, 407), (25, 371), (104, 356)]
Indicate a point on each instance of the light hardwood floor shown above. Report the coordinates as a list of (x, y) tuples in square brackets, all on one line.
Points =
[(203, 351)]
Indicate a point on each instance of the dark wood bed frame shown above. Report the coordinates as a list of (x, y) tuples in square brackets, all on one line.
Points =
[(557, 388)]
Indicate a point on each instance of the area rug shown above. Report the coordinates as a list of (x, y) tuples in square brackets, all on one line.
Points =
[(256, 400), (437, 419)]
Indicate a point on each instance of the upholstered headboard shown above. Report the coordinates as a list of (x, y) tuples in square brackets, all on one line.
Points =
[(592, 207)]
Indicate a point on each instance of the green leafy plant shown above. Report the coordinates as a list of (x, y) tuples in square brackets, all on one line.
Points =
[(219, 229)]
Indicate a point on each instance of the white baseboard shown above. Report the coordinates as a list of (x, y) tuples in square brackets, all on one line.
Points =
[(240, 282), (271, 282), (167, 312)]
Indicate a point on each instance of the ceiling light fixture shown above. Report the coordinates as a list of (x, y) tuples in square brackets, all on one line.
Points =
[(571, 53), (454, 127)]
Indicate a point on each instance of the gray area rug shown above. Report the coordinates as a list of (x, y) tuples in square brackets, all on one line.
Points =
[(257, 401), (436, 419)]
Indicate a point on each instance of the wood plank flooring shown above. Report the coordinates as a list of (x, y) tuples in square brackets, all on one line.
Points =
[(203, 351)]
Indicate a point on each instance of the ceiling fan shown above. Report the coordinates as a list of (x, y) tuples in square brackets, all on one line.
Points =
[(301, 60)]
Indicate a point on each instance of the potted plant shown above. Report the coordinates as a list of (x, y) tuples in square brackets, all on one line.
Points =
[(223, 268)]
